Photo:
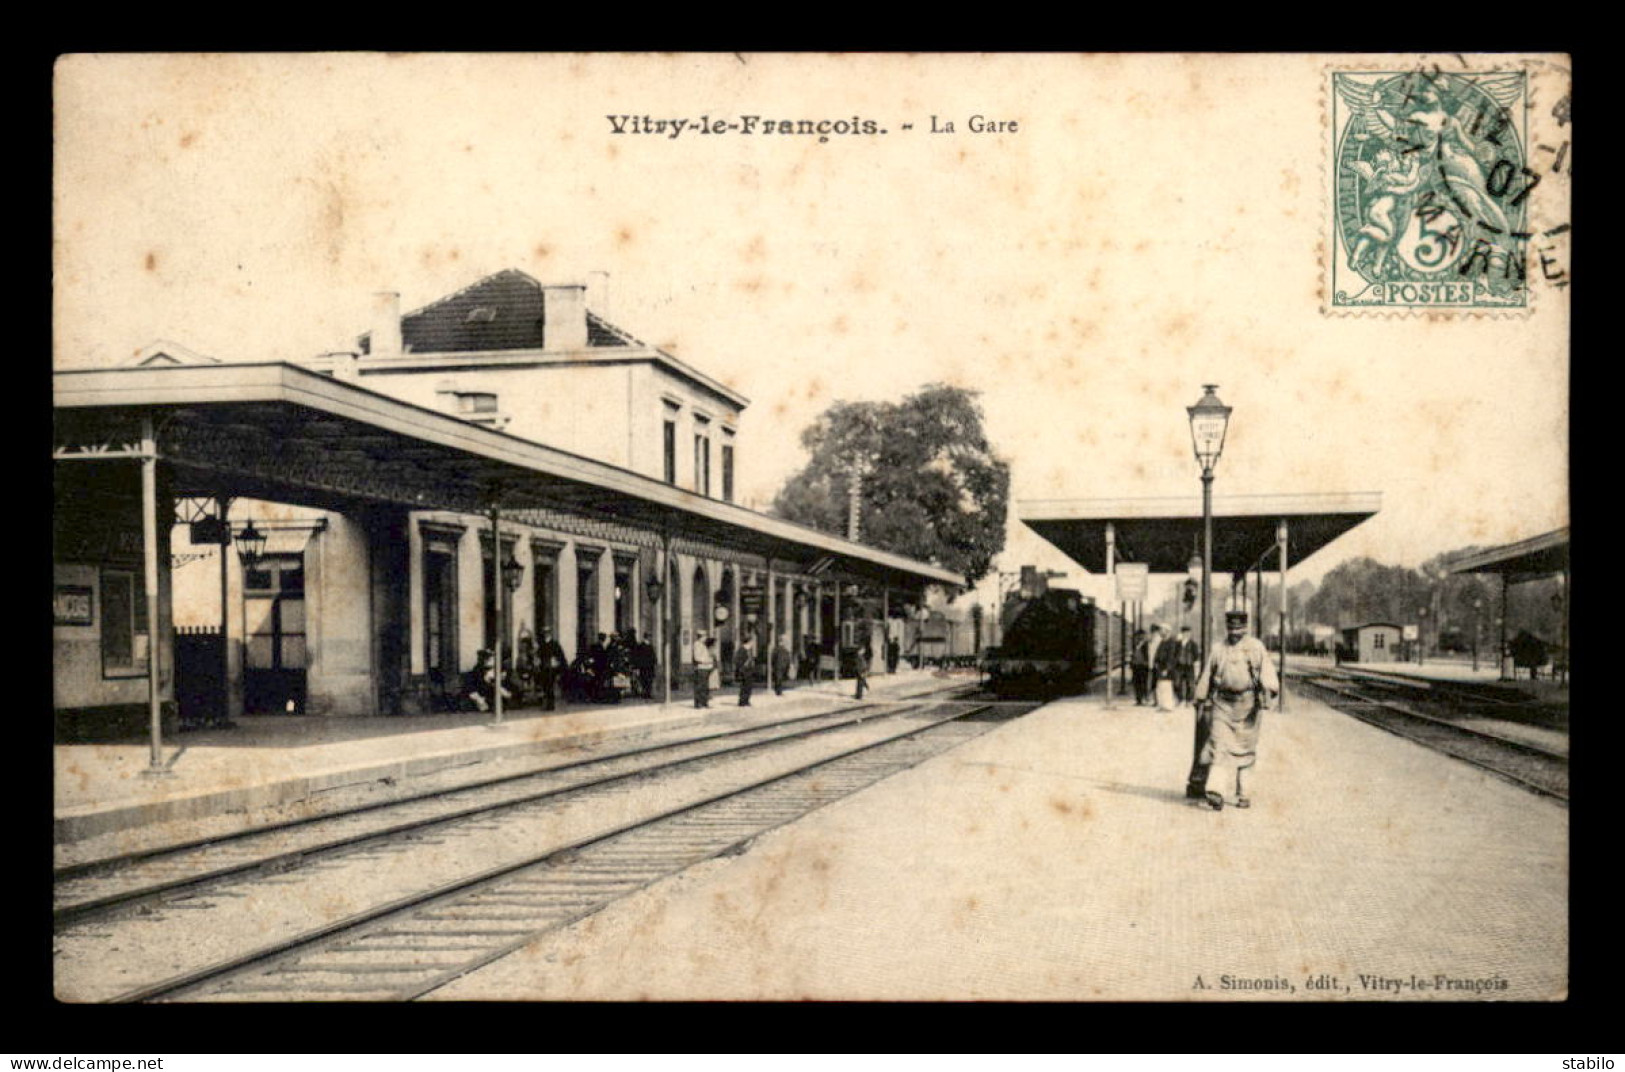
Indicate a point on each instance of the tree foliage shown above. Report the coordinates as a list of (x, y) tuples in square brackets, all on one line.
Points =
[(1462, 609), (932, 487)]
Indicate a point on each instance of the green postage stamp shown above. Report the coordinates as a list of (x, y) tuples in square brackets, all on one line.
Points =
[(1430, 190)]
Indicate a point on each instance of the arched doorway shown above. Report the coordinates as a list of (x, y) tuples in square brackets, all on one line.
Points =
[(700, 602), (728, 632), (674, 621)]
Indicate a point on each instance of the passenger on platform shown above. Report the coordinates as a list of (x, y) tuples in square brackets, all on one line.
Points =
[(745, 667), (479, 684), (860, 670), (643, 664), (894, 653), (1236, 683), (1164, 667), (809, 659), (1139, 663), (617, 669), (1190, 653), (598, 659), (704, 664), (524, 663), (550, 663), (779, 665)]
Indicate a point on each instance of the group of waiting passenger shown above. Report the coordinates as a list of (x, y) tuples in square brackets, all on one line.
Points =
[(1164, 667), (611, 667)]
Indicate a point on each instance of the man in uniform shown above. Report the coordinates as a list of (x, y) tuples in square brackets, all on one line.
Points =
[(779, 665), (704, 662), (1140, 667), (1164, 667), (745, 667), (550, 662), (1189, 654), (1235, 684)]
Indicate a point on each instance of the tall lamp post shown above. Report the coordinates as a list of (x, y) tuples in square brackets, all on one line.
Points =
[(653, 587), (1478, 605), (513, 573), (1421, 633), (1210, 419)]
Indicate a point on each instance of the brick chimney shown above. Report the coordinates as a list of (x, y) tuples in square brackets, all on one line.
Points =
[(564, 317), (386, 323), (346, 364)]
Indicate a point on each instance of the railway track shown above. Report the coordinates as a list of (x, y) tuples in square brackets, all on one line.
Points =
[(573, 848), (84, 891), (1397, 708)]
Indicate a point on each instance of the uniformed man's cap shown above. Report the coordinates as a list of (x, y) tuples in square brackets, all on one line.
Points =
[(1235, 617)]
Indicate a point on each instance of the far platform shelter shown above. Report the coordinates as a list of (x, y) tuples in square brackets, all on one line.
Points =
[(1250, 533), (1527, 560)]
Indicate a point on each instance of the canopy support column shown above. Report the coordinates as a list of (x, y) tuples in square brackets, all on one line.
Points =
[(1111, 626), (665, 616), (494, 579), (1501, 656), (223, 509), (1281, 540), (149, 555), (885, 627)]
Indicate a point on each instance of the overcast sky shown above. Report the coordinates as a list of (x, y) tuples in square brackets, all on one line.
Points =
[(1154, 223)]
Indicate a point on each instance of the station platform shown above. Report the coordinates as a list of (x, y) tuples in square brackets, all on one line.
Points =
[(273, 767), (1056, 859), (1487, 677)]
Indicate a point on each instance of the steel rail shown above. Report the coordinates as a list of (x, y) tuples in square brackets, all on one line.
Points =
[(79, 911), (1392, 705), (1436, 745), (278, 952)]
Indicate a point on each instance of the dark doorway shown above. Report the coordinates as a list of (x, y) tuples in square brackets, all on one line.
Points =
[(275, 657), (440, 611)]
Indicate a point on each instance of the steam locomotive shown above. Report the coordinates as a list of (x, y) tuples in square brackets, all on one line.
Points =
[(1053, 645)]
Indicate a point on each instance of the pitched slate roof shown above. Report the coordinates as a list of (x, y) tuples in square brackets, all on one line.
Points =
[(500, 312)]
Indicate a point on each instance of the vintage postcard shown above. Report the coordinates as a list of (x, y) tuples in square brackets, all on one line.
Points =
[(735, 526)]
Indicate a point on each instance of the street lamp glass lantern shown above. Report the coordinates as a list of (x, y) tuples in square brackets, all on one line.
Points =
[(1210, 418), (250, 545), (653, 587), (513, 572)]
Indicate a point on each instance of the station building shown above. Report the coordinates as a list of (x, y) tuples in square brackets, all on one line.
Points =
[(1374, 642), (504, 442)]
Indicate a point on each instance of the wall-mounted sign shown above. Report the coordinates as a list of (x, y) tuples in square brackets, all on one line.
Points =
[(74, 605), (1133, 581), (752, 598), (210, 530)]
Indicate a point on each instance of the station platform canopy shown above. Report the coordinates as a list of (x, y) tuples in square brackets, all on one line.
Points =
[(1537, 556), (1165, 532), (283, 433)]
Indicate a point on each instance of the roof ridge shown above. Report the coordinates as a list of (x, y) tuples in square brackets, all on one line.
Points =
[(454, 295)]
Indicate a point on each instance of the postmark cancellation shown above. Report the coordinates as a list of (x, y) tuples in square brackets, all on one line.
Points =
[(1431, 190)]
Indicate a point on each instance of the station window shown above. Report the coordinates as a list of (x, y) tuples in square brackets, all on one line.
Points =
[(671, 450), (126, 639), (492, 586), (544, 589), (274, 609), (728, 471), (702, 455), (476, 402), (586, 598)]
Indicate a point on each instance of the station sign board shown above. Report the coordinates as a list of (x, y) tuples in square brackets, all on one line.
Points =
[(752, 598), (1133, 581), (1409, 632)]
